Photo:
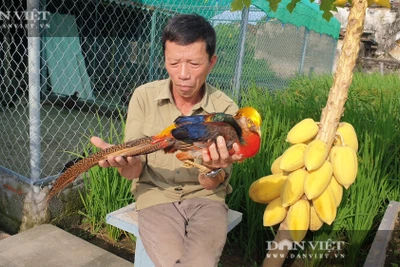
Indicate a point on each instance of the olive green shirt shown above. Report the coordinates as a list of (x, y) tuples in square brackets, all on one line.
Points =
[(163, 179)]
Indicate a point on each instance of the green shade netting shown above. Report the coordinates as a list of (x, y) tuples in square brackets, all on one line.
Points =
[(305, 14)]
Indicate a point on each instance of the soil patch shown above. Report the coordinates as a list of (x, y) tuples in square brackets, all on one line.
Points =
[(393, 249), (124, 248)]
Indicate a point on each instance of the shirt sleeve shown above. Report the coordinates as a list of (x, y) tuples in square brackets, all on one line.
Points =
[(135, 117)]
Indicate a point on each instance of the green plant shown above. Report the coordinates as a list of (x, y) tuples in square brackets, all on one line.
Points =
[(104, 189), (373, 109)]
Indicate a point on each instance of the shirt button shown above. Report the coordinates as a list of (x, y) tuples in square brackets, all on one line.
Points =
[(178, 188)]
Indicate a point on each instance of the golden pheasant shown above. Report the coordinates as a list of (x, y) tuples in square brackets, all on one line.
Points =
[(188, 135)]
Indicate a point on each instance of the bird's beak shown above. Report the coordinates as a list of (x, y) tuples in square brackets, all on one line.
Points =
[(259, 131)]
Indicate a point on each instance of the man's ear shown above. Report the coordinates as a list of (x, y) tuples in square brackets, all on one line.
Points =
[(213, 61)]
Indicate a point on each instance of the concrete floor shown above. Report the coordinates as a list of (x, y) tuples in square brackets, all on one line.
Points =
[(49, 246), (3, 235)]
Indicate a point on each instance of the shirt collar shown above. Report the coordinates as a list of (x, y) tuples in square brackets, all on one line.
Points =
[(205, 103), (165, 92)]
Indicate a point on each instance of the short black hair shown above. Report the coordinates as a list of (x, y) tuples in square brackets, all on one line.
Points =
[(184, 29)]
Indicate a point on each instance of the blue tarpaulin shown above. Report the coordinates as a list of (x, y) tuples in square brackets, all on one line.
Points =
[(63, 57)]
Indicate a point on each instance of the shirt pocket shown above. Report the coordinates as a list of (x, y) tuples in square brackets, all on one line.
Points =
[(186, 175), (158, 158)]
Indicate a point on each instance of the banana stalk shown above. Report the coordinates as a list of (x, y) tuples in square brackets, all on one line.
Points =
[(334, 108)]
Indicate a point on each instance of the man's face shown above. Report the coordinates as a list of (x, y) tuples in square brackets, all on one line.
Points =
[(188, 67)]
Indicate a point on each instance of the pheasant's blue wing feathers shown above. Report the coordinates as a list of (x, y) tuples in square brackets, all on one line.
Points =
[(181, 120), (195, 119), (190, 133), (201, 128)]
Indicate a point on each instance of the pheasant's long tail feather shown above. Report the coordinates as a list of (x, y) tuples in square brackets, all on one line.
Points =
[(135, 147)]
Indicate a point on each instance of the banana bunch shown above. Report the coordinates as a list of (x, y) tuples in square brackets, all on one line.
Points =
[(383, 3), (307, 180)]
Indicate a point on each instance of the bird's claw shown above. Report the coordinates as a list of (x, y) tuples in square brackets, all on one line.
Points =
[(189, 164)]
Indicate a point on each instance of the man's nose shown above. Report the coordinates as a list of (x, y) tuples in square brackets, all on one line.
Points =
[(184, 72)]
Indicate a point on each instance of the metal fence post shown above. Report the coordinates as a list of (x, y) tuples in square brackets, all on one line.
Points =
[(152, 45), (43, 69), (304, 50), (240, 56), (333, 54), (34, 90)]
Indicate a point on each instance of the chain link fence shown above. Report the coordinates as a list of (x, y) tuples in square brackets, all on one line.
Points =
[(90, 56)]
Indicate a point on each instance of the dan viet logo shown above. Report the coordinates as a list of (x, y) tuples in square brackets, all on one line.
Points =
[(306, 249), (24, 19)]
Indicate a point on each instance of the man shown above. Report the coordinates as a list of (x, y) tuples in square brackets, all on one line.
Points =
[(182, 213)]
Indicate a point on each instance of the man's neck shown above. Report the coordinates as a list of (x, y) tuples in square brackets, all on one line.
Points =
[(185, 105)]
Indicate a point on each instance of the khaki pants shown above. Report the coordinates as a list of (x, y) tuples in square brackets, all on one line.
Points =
[(190, 233)]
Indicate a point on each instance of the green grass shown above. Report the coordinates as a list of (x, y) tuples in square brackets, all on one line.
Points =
[(372, 108), (105, 190)]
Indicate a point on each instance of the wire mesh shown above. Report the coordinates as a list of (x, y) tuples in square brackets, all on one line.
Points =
[(93, 54)]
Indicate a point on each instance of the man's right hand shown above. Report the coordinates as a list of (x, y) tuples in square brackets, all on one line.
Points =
[(129, 167)]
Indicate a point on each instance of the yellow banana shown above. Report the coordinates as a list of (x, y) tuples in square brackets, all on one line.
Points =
[(274, 212), (318, 180), (292, 189), (293, 158), (275, 166), (298, 219), (315, 221), (345, 164), (325, 206), (315, 155), (267, 188), (384, 3), (337, 190), (347, 132), (302, 131), (340, 2)]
